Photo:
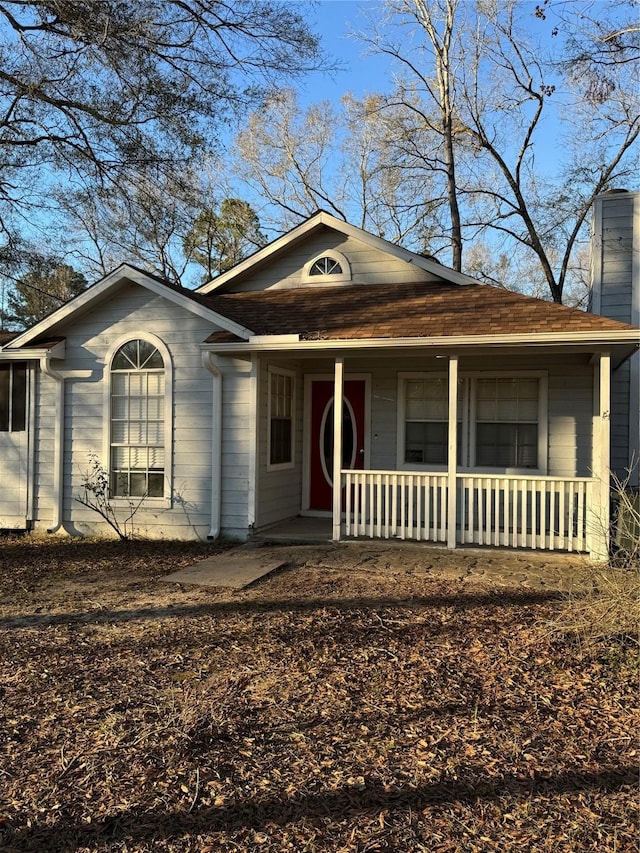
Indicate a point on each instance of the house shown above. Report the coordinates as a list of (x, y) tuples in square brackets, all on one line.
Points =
[(447, 410)]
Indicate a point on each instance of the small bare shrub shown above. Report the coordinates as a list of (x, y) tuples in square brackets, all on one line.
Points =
[(96, 495), (611, 608)]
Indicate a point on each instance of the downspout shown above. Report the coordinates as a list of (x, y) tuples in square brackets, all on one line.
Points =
[(216, 443), (58, 448)]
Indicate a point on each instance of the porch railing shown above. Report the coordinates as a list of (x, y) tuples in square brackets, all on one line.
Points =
[(547, 513), (392, 504)]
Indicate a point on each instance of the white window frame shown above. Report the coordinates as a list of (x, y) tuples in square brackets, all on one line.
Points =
[(332, 278), (467, 421), (11, 367), (403, 378), (155, 341), (273, 370)]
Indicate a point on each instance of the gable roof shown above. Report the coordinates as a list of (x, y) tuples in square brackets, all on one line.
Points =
[(320, 219), (416, 310), (187, 299)]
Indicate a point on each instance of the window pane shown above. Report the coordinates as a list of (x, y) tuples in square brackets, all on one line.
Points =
[(507, 445), (280, 451), (426, 443), (416, 410), (137, 484), (5, 385), (156, 485), (119, 432), (19, 398)]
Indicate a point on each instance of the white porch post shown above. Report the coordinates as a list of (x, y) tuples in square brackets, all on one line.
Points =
[(599, 514), (453, 452), (337, 446)]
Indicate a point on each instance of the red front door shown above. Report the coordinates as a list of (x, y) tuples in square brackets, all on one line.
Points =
[(321, 460)]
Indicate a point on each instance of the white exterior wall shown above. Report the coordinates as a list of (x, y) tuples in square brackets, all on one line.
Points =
[(368, 265), (237, 443), (132, 311), (616, 293), (44, 435), (279, 490)]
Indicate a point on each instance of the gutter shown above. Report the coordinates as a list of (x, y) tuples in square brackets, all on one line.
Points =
[(208, 362), (284, 343)]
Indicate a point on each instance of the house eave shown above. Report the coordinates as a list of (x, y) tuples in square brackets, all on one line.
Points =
[(322, 218), (34, 353), (625, 342), (127, 273)]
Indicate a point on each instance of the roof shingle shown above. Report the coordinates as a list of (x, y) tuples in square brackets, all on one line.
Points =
[(403, 310)]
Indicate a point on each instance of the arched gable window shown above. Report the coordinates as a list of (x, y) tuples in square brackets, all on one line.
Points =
[(327, 268), (137, 416)]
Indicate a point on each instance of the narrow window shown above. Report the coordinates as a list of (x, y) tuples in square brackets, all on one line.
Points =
[(13, 397), (137, 421), (281, 390), (506, 428)]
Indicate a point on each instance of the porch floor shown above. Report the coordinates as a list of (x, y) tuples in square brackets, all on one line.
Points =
[(300, 530)]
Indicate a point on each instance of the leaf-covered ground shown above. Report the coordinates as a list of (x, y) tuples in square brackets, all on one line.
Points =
[(355, 708)]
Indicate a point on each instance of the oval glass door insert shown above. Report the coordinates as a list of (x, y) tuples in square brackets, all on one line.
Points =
[(348, 439)]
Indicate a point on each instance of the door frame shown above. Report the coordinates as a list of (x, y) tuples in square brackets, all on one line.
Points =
[(309, 378)]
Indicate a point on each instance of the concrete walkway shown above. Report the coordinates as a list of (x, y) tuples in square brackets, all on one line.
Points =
[(236, 568)]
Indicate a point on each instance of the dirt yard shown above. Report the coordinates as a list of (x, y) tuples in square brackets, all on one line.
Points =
[(363, 698)]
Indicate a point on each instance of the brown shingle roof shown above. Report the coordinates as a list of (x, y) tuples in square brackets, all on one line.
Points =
[(422, 309), (5, 337)]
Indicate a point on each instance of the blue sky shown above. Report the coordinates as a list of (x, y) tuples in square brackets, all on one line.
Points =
[(334, 21)]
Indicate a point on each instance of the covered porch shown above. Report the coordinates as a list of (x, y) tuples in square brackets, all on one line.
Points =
[(460, 507), (519, 434)]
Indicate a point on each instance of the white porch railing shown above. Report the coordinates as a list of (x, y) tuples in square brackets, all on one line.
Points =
[(519, 512), (546, 513), (393, 504)]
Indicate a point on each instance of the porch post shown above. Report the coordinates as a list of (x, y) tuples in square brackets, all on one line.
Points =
[(337, 446), (452, 455), (601, 460)]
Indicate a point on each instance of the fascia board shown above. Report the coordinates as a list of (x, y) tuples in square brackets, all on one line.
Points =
[(398, 251), (324, 218), (33, 353), (599, 339), (125, 272)]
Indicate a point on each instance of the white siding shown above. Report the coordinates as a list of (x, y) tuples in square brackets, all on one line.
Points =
[(44, 430), (616, 294), (280, 490), (237, 437), (131, 311), (368, 265)]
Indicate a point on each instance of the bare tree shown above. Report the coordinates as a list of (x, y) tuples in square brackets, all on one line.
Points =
[(333, 157), (286, 153), (101, 89), (472, 102)]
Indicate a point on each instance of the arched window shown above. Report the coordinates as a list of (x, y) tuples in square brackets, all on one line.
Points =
[(327, 268), (137, 403)]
